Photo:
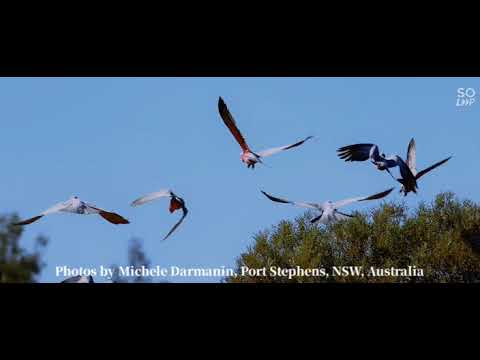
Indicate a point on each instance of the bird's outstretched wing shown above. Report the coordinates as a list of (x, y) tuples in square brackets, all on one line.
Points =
[(185, 212), (111, 217), (377, 196), (54, 209), (29, 221), (424, 171), (296, 203), (412, 157), (356, 152), (231, 125), (269, 152), (151, 197)]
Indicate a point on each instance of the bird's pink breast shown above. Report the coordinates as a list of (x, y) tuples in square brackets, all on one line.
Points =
[(248, 157), (174, 205)]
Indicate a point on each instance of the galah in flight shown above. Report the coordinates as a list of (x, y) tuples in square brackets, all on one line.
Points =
[(329, 210), (76, 206), (176, 203), (412, 165), (249, 157), (364, 152)]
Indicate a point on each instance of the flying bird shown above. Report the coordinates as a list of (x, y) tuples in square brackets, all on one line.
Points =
[(76, 206), (364, 152), (176, 203), (412, 165), (79, 280), (329, 210), (249, 157)]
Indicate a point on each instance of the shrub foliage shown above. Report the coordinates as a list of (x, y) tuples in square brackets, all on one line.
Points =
[(442, 238)]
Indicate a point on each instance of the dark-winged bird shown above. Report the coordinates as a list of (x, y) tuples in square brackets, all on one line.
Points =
[(364, 152), (76, 206), (408, 186), (79, 280), (329, 210), (176, 203)]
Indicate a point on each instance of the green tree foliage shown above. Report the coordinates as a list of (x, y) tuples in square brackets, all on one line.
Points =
[(17, 265), (442, 238)]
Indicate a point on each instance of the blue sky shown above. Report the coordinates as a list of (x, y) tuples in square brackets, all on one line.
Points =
[(110, 140)]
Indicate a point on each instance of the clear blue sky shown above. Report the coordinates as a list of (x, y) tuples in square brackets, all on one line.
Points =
[(110, 140)]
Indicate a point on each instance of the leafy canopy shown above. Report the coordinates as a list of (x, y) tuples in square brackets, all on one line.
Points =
[(17, 264), (442, 238)]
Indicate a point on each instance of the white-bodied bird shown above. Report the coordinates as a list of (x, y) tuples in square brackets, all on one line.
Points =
[(249, 157), (176, 203), (76, 206), (329, 210), (79, 280)]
